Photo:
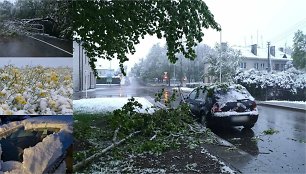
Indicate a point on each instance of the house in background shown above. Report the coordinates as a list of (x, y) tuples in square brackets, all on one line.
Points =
[(83, 76), (257, 58)]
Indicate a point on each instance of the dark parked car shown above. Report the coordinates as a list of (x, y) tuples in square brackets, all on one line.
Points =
[(223, 104)]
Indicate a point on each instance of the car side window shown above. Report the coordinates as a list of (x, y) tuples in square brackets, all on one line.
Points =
[(192, 95)]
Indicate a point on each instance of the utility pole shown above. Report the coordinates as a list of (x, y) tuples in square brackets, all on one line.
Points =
[(269, 60), (220, 78)]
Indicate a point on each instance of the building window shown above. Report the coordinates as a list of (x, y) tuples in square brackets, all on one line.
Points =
[(256, 65), (262, 66), (242, 65)]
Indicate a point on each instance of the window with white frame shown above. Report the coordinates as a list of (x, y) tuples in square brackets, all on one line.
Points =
[(256, 65), (242, 65)]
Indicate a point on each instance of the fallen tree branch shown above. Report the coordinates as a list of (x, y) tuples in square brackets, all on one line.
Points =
[(91, 158), (115, 134)]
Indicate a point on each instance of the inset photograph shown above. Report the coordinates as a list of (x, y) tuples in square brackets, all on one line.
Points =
[(36, 144), (35, 28), (36, 86)]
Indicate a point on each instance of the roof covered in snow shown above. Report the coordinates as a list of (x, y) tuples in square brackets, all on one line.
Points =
[(262, 53)]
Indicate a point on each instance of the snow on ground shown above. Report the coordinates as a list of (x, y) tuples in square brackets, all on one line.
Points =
[(224, 168), (290, 104), (102, 105), (36, 159)]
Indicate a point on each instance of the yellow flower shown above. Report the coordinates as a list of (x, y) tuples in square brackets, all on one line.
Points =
[(42, 94), (54, 77), (52, 103), (2, 94), (20, 100), (67, 77)]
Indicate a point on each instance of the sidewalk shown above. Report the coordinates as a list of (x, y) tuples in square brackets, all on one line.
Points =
[(301, 106)]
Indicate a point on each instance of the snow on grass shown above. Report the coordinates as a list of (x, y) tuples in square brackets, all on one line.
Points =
[(224, 168), (35, 91), (37, 158), (102, 105)]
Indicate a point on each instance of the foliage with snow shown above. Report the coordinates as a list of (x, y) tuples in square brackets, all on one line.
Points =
[(226, 59), (291, 79), (35, 90)]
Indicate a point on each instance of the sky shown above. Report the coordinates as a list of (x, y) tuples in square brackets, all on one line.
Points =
[(246, 22), (35, 61)]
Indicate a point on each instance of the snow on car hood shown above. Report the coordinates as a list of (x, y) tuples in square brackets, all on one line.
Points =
[(36, 159)]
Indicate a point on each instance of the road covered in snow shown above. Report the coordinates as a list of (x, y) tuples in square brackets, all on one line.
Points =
[(54, 136)]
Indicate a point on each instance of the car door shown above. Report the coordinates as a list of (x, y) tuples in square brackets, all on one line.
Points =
[(200, 101), (191, 100)]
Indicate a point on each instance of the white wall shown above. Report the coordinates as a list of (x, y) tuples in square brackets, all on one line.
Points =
[(83, 77)]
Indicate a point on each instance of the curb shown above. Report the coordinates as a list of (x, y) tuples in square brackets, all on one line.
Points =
[(281, 106)]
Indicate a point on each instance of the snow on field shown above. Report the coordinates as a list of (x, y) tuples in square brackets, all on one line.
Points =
[(35, 91), (37, 158), (102, 105)]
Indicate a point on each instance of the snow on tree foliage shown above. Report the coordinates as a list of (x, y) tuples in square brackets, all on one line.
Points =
[(227, 59), (292, 79)]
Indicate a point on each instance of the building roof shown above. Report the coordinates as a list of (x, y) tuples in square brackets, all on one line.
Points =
[(262, 53)]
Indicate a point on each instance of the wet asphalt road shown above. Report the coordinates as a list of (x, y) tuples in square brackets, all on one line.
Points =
[(282, 152), (27, 46)]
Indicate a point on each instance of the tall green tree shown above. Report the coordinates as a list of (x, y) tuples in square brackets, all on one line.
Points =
[(299, 50), (110, 29)]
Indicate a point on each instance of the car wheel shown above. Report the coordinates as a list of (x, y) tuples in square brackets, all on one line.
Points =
[(249, 126)]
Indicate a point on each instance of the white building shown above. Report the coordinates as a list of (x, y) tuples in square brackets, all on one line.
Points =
[(83, 76), (257, 58)]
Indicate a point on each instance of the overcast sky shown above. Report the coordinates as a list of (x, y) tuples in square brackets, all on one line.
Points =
[(274, 20), (35, 61)]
